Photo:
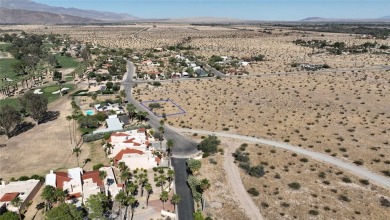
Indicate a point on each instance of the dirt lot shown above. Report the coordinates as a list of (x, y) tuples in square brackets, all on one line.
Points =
[(45, 147), (321, 194), (343, 114)]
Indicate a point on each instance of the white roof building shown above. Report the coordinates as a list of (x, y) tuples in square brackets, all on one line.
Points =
[(25, 190)]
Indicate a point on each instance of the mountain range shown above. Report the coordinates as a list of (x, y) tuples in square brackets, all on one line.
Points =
[(30, 12), (40, 11), (321, 19)]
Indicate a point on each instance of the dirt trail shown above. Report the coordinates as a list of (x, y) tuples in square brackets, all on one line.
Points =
[(360, 171), (233, 177)]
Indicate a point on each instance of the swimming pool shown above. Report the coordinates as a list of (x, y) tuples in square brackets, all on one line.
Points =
[(89, 112)]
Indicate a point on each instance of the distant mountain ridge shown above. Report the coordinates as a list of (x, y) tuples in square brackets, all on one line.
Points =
[(91, 14), (17, 16), (321, 19)]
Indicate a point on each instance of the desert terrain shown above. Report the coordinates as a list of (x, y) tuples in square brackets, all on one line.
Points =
[(345, 115)]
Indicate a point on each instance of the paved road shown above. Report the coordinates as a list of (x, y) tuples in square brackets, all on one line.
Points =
[(184, 146), (360, 171)]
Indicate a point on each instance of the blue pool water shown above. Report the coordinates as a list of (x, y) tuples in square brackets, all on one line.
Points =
[(89, 112)]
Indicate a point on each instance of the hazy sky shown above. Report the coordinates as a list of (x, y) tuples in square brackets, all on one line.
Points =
[(244, 9)]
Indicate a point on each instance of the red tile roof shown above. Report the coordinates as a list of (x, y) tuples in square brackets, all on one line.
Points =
[(119, 134), (157, 160), (120, 184), (8, 197), (61, 177), (74, 196), (141, 130), (94, 175), (127, 151)]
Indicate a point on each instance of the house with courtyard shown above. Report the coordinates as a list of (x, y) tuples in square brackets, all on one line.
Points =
[(134, 149), (25, 190), (80, 185)]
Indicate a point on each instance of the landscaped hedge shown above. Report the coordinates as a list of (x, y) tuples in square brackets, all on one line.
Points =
[(98, 136), (77, 93)]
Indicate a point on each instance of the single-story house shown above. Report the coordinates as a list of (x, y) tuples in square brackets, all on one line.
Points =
[(25, 190)]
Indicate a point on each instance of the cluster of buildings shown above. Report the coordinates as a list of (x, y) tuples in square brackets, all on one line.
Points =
[(134, 149), (80, 185)]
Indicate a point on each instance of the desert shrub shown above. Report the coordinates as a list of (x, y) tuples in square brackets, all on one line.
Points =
[(346, 179), (154, 105), (313, 212), (384, 202), (211, 160), (240, 157), (294, 185), (344, 198), (156, 84), (256, 171), (322, 175), (97, 166), (253, 192), (23, 178), (209, 144), (359, 162), (304, 160), (386, 172), (264, 204), (364, 182)]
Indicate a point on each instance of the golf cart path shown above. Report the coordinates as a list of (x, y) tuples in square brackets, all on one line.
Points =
[(352, 168)]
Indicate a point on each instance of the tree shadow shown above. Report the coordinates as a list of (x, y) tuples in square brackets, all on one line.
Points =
[(49, 116), (21, 128)]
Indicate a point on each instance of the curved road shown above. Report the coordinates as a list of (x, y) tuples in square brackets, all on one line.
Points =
[(184, 147), (360, 171)]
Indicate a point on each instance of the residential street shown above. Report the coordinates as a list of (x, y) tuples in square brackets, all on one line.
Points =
[(183, 147)]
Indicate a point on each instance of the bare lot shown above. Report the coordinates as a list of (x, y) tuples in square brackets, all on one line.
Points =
[(45, 147), (329, 192), (343, 114)]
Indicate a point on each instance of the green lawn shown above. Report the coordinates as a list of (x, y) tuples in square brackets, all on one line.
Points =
[(4, 46), (10, 101), (5, 68), (67, 62), (47, 91)]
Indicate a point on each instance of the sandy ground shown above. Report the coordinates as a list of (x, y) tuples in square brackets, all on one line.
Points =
[(314, 194), (345, 115), (221, 199), (45, 147)]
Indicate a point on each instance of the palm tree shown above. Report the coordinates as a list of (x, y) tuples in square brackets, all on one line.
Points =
[(164, 197), (204, 185), (17, 202), (170, 146), (122, 166), (131, 188), (77, 151), (149, 190), (102, 174), (175, 200), (69, 118), (121, 199), (48, 195), (132, 202), (171, 175), (60, 195), (131, 110), (160, 181)]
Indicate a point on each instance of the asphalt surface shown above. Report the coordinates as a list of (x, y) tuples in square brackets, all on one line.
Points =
[(186, 204), (183, 147)]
